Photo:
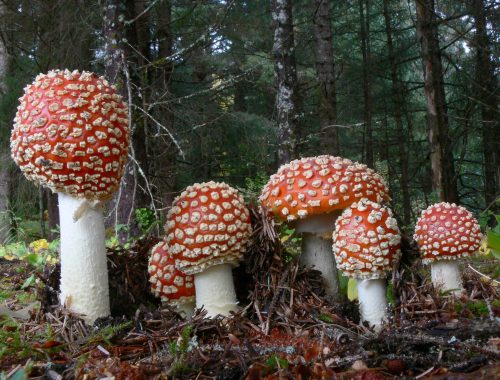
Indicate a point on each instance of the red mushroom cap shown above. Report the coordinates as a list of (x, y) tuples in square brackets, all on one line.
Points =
[(446, 231), (366, 240), (207, 225), (167, 282), (71, 134), (317, 185)]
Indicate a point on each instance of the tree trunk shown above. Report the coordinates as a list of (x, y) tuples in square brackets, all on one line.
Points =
[(487, 98), (5, 217), (53, 213), (131, 193), (285, 69), (166, 168), (444, 181), (398, 100), (5, 226), (364, 13), (325, 71)]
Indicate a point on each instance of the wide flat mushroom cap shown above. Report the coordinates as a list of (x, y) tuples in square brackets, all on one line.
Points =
[(167, 282), (318, 185), (71, 134), (207, 225), (446, 231), (366, 240)]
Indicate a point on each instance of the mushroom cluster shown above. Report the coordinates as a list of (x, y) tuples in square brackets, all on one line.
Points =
[(71, 135), (446, 232), (311, 193), (207, 231), (366, 243), (168, 283)]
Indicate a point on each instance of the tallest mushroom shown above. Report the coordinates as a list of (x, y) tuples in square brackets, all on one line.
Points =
[(311, 193), (71, 135)]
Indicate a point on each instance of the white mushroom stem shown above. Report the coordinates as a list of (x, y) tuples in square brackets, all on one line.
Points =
[(84, 273), (373, 302), (317, 249), (215, 290), (446, 276), (186, 309)]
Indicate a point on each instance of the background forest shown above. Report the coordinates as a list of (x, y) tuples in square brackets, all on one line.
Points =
[(229, 90)]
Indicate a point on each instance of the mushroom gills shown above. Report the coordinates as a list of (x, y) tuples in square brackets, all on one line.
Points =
[(215, 290), (446, 276)]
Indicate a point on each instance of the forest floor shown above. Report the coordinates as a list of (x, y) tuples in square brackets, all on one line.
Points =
[(287, 327)]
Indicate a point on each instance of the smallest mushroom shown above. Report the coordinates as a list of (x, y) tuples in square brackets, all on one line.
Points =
[(446, 232), (169, 283), (366, 243)]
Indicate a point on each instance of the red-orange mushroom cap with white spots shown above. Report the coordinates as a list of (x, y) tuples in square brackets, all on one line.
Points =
[(207, 225), (322, 184), (446, 231), (167, 282), (366, 240), (71, 134)]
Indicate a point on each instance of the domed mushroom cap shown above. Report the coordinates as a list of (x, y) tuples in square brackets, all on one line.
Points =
[(446, 231), (366, 240), (71, 134), (207, 225), (167, 282), (317, 185)]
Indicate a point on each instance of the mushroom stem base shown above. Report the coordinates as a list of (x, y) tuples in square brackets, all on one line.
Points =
[(446, 276), (84, 272), (186, 309), (372, 301), (317, 254), (215, 290)]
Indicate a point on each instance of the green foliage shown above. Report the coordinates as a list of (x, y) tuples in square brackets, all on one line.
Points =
[(276, 362), (145, 218), (14, 343), (352, 289), (478, 308), (107, 333), (491, 243), (179, 349), (37, 253), (254, 185)]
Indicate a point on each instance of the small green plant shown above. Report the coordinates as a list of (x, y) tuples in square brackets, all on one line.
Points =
[(107, 333), (179, 349), (276, 362), (491, 242), (145, 218)]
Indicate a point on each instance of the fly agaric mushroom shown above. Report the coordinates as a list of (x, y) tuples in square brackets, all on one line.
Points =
[(366, 242), (71, 135), (446, 232), (169, 283), (312, 192), (208, 228)]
